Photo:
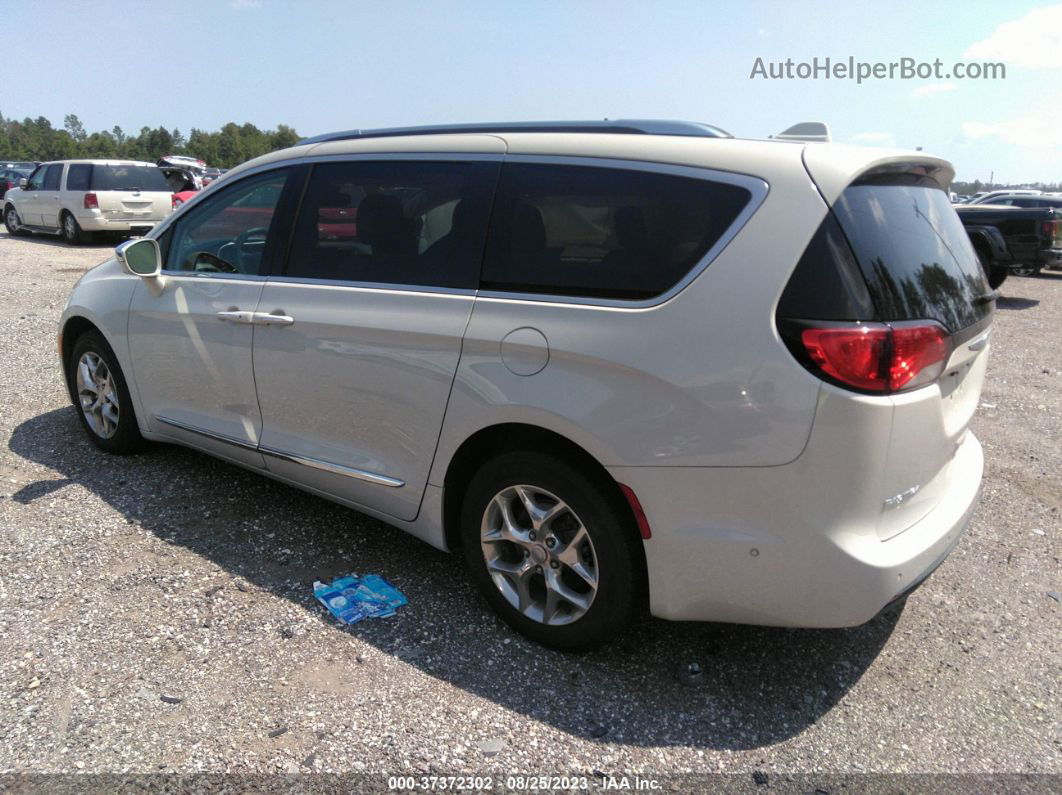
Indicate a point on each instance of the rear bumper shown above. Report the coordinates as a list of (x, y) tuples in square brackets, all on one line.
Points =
[(92, 222), (758, 546), (1051, 258)]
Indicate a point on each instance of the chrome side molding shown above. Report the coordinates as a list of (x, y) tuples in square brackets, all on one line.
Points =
[(336, 469), (218, 437), (314, 463)]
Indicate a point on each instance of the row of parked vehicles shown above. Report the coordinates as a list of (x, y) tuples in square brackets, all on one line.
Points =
[(78, 198)]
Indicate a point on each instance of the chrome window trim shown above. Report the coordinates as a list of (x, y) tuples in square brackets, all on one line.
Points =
[(757, 187), (314, 463), (374, 287)]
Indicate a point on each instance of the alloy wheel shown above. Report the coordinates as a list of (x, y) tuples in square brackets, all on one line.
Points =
[(70, 227), (539, 555), (97, 395)]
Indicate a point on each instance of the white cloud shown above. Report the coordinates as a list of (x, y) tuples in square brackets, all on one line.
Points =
[(874, 138), (1034, 41), (1042, 131), (929, 89)]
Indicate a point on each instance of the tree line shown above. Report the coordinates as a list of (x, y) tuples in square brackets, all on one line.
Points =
[(37, 139)]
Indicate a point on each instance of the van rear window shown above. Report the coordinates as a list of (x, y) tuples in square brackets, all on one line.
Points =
[(913, 251), (143, 178)]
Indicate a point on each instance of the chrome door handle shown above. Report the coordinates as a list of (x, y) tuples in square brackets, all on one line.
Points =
[(272, 319), (236, 316)]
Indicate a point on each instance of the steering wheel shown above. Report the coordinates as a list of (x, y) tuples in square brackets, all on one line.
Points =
[(241, 241), (205, 262)]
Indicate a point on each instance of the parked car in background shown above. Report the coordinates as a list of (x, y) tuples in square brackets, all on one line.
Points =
[(987, 198), (1025, 200), (10, 177), (75, 198), (21, 165), (544, 344), (1033, 235)]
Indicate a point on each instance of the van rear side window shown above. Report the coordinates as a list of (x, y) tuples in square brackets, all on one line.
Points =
[(142, 178), (913, 251), (602, 232)]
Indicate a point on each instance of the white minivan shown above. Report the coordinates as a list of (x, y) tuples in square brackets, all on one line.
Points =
[(620, 365), (75, 198)]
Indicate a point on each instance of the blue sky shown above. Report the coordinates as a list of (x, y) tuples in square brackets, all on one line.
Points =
[(322, 66)]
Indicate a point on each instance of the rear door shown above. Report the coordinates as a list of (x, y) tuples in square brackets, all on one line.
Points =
[(48, 197), (354, 374), (131, 192)]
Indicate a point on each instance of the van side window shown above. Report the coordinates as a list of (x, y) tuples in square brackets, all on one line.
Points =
[(51, 177), (404, 223), (78, 176), (602, 232), (227, 232)]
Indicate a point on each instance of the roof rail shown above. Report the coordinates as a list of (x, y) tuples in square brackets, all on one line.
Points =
[(616, 126)]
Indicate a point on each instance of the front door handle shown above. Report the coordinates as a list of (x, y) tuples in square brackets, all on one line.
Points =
[(274, 318), (236, 316)]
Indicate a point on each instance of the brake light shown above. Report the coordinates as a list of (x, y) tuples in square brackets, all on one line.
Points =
[(174, 203), (91, 202), (1050, 229), (875, 357)]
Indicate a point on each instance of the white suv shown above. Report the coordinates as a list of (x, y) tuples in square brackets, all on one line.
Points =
[(75, 198), (611, 361)]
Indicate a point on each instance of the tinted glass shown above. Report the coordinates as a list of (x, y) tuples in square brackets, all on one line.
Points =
[(36, 179), (143, 178), (51, 177), (586, 231), (408, 223), (914, 252), (227, 233), (78, 175)]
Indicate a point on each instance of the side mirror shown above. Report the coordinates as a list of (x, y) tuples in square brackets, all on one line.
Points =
[(140, 257), (22, 183)]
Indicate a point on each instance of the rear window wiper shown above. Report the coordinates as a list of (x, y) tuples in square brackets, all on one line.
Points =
[(987, 298)]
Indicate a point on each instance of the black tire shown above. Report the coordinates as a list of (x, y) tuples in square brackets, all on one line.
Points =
[(615, 546), (71, 229), (13, 224), (1027, 270), (997, 274), (125, 437)]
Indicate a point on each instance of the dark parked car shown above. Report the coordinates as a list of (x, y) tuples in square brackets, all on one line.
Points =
[(1032, 235), (9, 178)]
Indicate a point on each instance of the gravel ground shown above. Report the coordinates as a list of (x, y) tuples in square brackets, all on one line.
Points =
[(156, 615)]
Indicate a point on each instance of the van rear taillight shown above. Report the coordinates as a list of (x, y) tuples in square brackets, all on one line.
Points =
[(1052, 230), (877, 357), (91, 202)]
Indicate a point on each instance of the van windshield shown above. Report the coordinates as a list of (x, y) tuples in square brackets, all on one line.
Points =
[(913, 251), (142, 178)]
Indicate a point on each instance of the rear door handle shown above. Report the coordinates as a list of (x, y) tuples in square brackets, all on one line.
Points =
[(236, 316), (274, 318)]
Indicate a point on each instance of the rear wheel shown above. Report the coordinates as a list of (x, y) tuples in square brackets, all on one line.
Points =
[(13, 222), (553, 552), (1025, 271), (71, 229), (101, 396)]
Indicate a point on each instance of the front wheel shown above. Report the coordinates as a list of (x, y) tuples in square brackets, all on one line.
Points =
[(553, 551), (101, 396), (13, 222)]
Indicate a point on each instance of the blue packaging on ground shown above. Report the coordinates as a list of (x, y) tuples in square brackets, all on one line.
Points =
[(352, 598)]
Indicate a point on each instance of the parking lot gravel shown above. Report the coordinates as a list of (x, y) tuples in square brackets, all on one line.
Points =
[(157, 615)]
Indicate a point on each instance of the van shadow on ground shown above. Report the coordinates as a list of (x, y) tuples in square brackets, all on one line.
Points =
[(760, 686)]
